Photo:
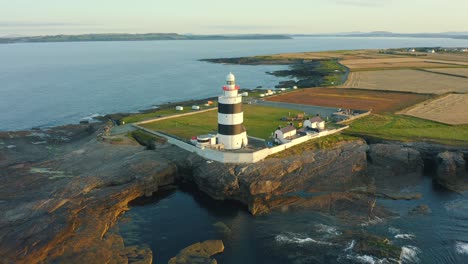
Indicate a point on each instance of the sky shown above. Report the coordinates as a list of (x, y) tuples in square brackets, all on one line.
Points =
[(41, 17)]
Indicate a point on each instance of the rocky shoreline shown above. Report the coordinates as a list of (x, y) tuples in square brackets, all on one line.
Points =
[(64, 189)]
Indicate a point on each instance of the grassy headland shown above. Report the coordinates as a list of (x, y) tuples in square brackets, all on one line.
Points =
[(303, 72), (260, 121), (407, 128)]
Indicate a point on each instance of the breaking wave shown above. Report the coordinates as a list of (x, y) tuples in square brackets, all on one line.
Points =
[(376, 220), (350, 246), (299, 239), (330, 230), (405, 236), (366, 259), (409, 254), (461, 247)]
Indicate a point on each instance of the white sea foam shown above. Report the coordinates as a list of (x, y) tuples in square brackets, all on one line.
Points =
[(376, 220), (366, 259), (461, 247), (409, 254), (330, 230), (90, 117), (350, 246), (405, 236), (299, 239)]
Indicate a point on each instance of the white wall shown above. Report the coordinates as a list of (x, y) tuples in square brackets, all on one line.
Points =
[(230, 157)]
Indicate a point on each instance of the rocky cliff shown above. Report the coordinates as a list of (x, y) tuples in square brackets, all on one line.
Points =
[(63, 190)]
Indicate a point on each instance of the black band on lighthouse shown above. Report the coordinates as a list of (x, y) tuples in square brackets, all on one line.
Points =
[(230, 130), (230, 108)]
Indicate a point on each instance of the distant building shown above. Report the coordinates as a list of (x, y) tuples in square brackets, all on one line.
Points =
[(430, 51), (411, 50)]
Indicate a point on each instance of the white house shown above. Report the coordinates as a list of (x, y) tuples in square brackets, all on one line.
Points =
[(315, 122)]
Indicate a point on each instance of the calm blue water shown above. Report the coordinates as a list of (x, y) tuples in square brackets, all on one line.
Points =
[(46, 84), (181, 218)]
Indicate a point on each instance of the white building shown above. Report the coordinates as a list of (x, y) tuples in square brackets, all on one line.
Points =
[(315, 122), (284, 135), (231, 131)]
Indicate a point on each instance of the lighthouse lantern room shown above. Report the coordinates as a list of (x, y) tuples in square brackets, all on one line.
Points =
[(231, 131)]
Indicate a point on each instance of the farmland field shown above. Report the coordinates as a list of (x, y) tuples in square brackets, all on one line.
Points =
[(453, 71), (451, 109), (408, 128), (407, 81), (378, 101), (405, 62)]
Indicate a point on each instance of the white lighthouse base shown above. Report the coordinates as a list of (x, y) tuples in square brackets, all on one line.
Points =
[(233, 142)]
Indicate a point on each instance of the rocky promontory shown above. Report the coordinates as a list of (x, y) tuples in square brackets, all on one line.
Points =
[(64, 189)]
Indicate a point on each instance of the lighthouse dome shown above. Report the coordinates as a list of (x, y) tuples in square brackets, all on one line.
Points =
[(230, 77)]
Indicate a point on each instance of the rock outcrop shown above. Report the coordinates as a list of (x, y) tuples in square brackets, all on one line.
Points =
[(452, 170), (394, 157), (278, 182), (60, 207), (199, 253)]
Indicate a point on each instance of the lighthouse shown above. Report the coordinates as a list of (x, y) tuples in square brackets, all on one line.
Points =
[(231, 131)]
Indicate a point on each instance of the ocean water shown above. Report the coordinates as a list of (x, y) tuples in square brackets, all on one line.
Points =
[(177, 219), (47, 84)]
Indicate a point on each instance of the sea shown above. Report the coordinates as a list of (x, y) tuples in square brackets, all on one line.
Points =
[(49, 84)]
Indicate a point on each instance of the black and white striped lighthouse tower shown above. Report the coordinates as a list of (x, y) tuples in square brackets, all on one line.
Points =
[(231, 131)]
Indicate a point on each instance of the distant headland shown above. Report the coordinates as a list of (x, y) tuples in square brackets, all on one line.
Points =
[(135, 37)]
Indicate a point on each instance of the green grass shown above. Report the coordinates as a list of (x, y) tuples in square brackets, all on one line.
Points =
[(334, 72), (407, 128), (319, 143), (260, 121), (160, 113)]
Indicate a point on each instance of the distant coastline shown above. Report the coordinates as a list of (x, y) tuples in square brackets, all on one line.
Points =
[(135, 37)]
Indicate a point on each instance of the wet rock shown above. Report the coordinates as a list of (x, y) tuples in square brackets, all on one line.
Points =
[(422, 209), (370, 245), (452, 171), (199, 253)]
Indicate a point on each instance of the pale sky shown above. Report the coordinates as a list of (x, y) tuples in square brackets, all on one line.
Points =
[(39, 17)]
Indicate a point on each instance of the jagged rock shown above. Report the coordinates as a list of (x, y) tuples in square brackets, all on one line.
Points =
[(452, 171), (398, 159), (271, 183), (61, 205), (199, 253)]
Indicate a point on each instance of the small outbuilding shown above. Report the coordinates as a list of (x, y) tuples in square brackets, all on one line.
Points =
[(315, 122), (195, 107), (179, 108)]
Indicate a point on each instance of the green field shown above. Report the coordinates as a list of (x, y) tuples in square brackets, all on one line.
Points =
[(163, 112), (260, 121), (407, 128)]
